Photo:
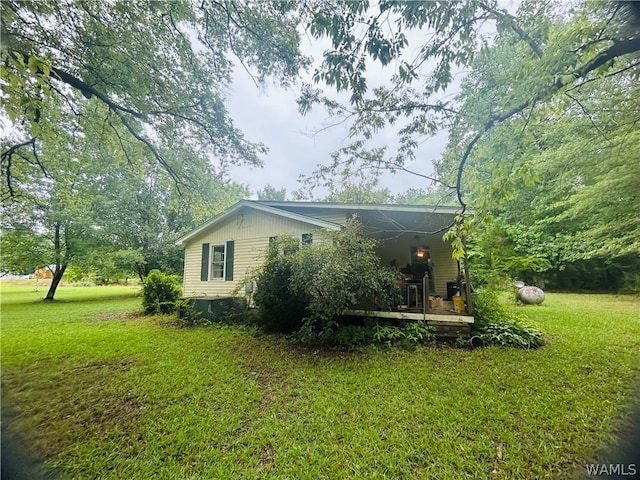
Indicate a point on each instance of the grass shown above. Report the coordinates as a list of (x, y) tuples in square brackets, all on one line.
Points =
[(102, 392)]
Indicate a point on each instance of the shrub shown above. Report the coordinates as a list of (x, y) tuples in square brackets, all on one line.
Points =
[(160, 293), (344, 336), (280, 307), (408, 334), (512, 333), (350, 332), (339, 276), (309, 290), (497, 324)]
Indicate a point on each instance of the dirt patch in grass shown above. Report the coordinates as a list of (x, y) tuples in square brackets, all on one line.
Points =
[(110, 316), (125, 364), (74, 404)]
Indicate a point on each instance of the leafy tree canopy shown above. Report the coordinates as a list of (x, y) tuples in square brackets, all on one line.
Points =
[(161, 69), (97, 95), (272, 193), (558, 46), (559, 179)]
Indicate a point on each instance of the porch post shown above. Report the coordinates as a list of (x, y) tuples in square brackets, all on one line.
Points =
[(425, 293), (467, 277)]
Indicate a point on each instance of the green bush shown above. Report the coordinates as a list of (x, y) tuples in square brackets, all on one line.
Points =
[(280, 307), (160, 293), (499, 325), (341, 276), (353, 332), (409, 334), (309, 290)]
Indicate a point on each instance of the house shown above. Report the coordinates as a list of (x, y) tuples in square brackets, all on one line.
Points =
[(221, 253)]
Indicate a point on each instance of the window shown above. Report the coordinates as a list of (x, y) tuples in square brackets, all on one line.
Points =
[(217, 261), (307, 238)]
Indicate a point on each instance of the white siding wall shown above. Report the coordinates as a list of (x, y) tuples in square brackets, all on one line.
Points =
[(250, 230)]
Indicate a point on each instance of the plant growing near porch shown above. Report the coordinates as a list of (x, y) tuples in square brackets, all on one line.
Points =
[(308, 290), (498, 325), (338, 276), (409, 334), (280, 307)]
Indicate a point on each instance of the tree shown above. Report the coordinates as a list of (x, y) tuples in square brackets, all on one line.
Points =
[(438, 194), (101, 209), (354, 190), (90, 83), (272, 193), (561, 48), (158, 71), (54, 233), (22, 250), (559, 180), (142, 210)]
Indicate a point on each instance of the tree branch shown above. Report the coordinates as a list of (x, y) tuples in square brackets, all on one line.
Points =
[(152, 148), (511, 21)]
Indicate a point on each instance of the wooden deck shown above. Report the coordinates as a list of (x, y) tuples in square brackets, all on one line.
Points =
[(446, 322), (409, 315)]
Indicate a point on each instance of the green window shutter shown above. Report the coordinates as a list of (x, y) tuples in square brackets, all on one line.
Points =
[(228, 269), (204, 268)]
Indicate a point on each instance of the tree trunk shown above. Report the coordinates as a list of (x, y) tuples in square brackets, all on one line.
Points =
[(55, 281), (61, 261)]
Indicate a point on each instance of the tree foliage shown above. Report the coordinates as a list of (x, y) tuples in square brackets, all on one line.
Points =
[(558, 181), (104, 212), (554, 48), (272, 193), (541, 136), (118, 133), (158, 70)]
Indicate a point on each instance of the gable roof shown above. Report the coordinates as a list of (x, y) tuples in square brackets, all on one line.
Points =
[(382, 220), (260, 206), (433, 209), (377, 217)]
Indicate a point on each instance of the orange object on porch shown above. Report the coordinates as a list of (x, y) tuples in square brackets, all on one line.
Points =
[(458, 303)]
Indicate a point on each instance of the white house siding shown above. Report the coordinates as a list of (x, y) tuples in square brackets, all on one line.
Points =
[(250, 230), (445, 268)]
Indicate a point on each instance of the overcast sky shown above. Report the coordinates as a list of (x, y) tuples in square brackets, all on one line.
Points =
[(271, 116)]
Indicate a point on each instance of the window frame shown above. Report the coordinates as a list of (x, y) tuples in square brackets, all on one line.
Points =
[(212, 262)]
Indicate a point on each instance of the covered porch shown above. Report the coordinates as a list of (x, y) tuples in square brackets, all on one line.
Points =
[(432, 283), (450, 318)]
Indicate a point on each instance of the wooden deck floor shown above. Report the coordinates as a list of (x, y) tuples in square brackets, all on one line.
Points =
[(446, 322), (412, 315)]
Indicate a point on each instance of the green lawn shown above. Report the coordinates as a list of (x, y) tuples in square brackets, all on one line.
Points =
[(102, 392)]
